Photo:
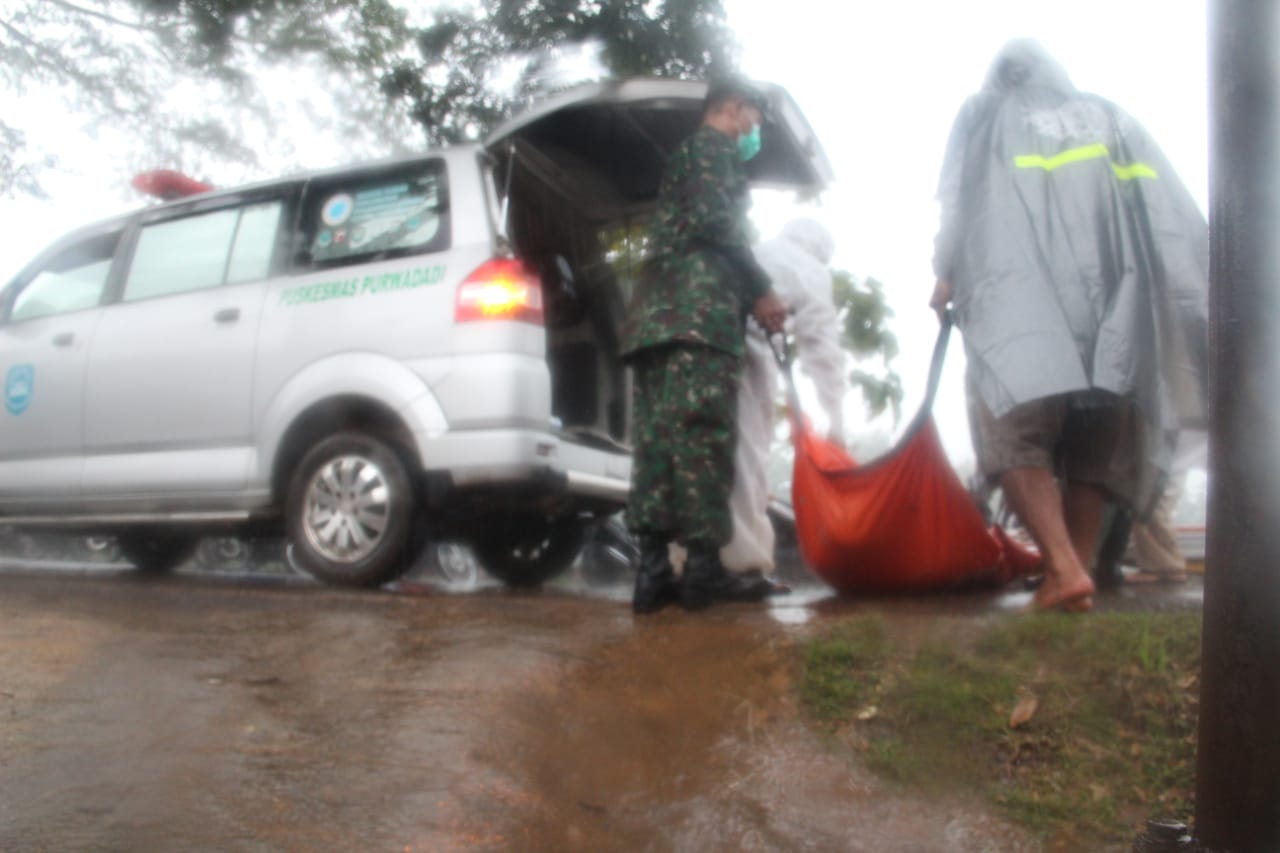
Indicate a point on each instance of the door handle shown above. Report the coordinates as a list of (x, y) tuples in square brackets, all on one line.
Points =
[(227, 315), (64, 339)]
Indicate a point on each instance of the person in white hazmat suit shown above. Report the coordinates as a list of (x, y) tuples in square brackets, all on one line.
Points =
[(797, 262)]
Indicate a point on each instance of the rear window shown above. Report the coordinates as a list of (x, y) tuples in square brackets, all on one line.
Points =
[(373, 216)]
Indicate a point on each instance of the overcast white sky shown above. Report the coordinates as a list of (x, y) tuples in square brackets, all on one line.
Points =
[(880, 82)]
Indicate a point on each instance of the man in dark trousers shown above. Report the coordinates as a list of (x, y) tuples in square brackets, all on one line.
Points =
[(684, 339)]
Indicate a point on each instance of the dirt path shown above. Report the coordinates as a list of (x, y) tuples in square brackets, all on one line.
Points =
[(194, 715)]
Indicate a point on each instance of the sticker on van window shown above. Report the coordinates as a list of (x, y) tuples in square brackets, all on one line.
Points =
[(337, 210), (18, 387), (400, 214), (369, 285)]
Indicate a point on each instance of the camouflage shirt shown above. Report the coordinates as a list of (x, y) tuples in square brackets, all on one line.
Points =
[(702, 279)]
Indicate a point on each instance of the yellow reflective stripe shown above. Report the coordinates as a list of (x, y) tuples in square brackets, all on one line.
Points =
[(1097, 151), (1134, 170), (1071, 155)]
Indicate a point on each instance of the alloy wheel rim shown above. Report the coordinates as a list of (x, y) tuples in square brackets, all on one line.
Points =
[(347, 509)]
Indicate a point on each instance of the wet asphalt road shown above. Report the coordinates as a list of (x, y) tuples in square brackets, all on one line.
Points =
[(263, 714)]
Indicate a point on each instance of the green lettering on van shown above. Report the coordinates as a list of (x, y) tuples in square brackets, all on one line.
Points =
[(369, 284)]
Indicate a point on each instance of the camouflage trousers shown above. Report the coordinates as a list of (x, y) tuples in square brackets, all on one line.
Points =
[(685, 409)]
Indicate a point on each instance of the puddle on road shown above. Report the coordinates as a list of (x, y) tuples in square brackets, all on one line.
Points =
[(683, 733)]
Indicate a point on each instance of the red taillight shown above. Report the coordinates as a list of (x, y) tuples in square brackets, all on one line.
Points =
[(500, 289)]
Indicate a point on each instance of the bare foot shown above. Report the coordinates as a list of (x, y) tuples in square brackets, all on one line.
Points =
[(1074, 596), (1079, 605)]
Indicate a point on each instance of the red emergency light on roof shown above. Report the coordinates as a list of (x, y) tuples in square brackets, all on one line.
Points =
[(167, 184)]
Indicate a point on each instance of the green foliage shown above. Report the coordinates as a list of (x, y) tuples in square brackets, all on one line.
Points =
[(864, 316), (670, 38), (176, 77), (452, 84), (389, 72)]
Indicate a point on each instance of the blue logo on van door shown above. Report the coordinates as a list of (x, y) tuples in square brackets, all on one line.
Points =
[(18, 386)]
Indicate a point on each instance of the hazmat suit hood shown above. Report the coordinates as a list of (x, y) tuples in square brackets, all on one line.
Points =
[(1024, 63), (811, 236)]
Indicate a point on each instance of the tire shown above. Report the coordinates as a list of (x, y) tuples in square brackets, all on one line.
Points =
[(157, 553), (352, 513), (610, 554), (456, 564), (526, 549)]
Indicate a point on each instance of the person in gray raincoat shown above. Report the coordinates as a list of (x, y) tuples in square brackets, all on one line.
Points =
[(1077, 265)]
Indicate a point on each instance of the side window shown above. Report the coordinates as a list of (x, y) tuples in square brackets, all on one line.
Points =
[(376, 215), (255, 243), (71, 281), (207, 250)]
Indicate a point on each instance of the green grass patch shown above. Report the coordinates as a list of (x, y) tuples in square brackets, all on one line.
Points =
[(1108, 742), (840, 669)]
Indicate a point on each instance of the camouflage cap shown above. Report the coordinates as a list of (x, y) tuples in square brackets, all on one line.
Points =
[(726, 88)]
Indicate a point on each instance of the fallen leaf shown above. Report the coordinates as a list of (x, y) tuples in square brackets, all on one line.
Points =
[(1186, 681), (1023, 711), (868, 713)]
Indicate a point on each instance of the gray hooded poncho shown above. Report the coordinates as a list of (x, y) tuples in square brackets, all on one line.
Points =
[(1079, 261)]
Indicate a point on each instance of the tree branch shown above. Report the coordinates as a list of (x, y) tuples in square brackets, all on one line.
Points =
[(102, 16), (58, 65)]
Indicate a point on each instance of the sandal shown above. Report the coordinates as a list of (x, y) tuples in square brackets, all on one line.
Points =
[(762, 586), (1144, 576)]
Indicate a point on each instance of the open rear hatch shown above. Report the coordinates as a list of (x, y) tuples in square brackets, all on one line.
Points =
[(605, 144)]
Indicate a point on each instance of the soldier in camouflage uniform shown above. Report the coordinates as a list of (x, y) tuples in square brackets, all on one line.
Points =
[(684, 338)]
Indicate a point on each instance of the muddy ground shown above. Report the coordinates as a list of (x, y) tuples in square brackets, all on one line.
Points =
[(191, 713)]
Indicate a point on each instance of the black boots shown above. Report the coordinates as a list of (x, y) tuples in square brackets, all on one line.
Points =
[(656, 583), (706, 581)]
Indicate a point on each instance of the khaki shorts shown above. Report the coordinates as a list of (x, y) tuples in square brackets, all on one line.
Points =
[(1079, 437)]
